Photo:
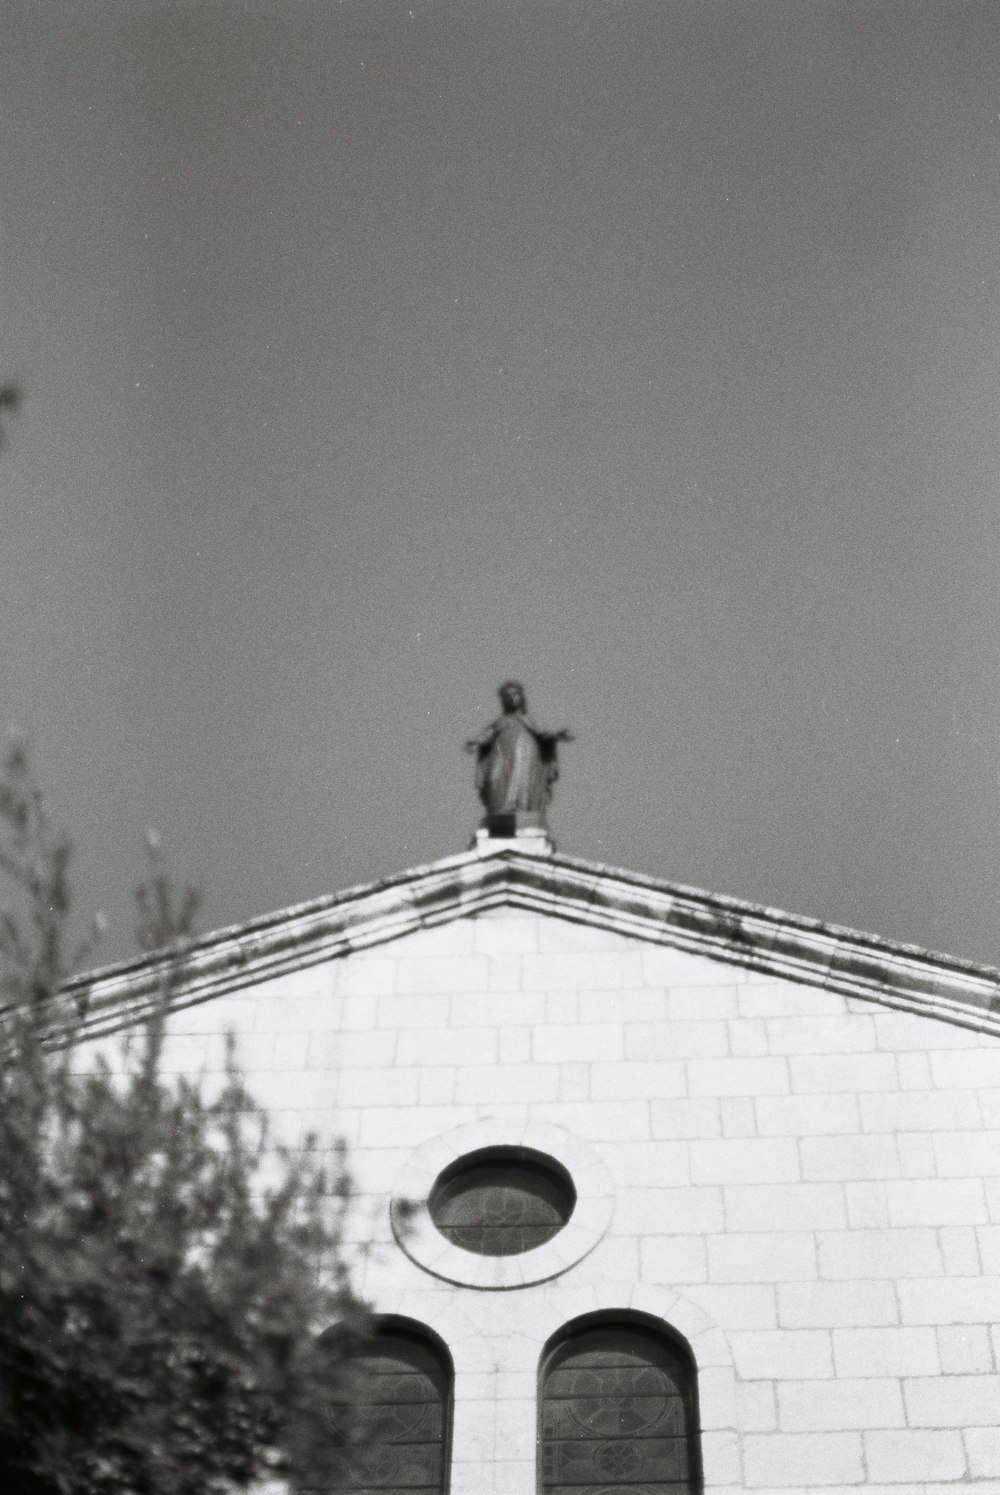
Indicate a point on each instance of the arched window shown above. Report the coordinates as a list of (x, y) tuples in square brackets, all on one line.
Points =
[(401, 1382), (618, 1413)]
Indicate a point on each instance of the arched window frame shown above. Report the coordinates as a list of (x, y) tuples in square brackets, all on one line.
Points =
[(395, 1327), (643, 1324)]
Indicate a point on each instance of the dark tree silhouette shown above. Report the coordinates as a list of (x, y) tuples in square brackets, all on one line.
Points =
[(159, 1301)]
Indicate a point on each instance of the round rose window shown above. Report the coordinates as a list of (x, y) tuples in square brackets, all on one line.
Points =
[(502, 1201)]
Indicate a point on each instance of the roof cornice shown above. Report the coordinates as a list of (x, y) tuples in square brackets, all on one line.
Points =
[(664, 913)]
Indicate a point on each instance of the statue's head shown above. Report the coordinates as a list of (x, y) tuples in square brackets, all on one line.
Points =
[(512, 696)]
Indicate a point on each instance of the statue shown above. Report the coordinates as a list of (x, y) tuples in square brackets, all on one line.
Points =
[(515, 760)]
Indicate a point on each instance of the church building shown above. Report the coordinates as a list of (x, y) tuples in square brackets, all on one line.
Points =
[(663, 1192)]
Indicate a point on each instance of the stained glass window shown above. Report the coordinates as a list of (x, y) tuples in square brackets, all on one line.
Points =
[(404, 1389), (502, 1201), (617, 1415)]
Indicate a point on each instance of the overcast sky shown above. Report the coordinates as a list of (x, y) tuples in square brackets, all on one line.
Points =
[(372, 353)]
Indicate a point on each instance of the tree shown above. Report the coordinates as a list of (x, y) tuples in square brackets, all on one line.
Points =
[(159, 1301)]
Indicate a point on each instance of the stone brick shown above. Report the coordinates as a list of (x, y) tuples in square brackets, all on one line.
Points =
[(617, 1258), (582, 971), (372, 1050), (600, 1121), (357, 1013), (556, 1042), (673, 1258), (785, 1207), (885, 1352), (484, 1083), (422, 1011), (447, 1046), (290, 1090), (739, 1119), (909, 1456), (960, 1251), (952, 1401), (737, 1076), (377, 1087), (563, 1007), (621, 1005), (983, 1451), (770, 998), (564, 935), (867, 1207), (782, 1354), (444, 973), (623, 1079), (914, 1071), (879, 1255), (701, 1003), (801, 1460), (991, 1188), (641, 1164), (720, 1454), (853, 1158), (494, 1009), (776, 1256), (964, 1349), (806, 1115), (832, 1406), (376, 1169), (402, 1126), (506, 977), (686, 1118), (758, 1412), (962, 1069), (501, 931), (919, 1111), (988, 1241), (437, 1085), (989, 1106), (967, 1154), (936, 1202), (515, 1044), (744, 1160), (748, 1037), (674, 1040), (688, 1211), (906, 1030), (846, 1073), (738, 1307), (575, 1082), (820, 1035), (830, 1305), (665, 967), (916, 1154), (365, 974), (961, 1300)]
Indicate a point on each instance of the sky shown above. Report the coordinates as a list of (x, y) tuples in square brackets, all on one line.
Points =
[(375, 352)]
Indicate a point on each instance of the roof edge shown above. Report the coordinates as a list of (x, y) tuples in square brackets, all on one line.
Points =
[(828, 956)]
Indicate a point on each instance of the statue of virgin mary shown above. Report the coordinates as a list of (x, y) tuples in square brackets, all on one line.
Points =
[(515, 760)]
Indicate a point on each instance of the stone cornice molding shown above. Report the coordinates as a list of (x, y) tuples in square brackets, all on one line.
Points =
[(728, 929)]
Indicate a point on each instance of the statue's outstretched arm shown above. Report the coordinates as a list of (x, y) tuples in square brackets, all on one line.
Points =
[(484, 741)]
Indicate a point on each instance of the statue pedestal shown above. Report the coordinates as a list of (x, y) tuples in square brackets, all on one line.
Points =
[(520, 830)]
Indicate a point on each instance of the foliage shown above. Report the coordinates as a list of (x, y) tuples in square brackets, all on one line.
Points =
[(159, 1297)]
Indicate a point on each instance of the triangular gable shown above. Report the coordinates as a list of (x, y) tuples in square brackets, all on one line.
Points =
[(644, 908)]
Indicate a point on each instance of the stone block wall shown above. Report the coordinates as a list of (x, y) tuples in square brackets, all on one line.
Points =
[(805, 1186)]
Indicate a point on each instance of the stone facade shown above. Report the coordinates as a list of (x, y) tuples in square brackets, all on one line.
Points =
[(798, 1173)]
